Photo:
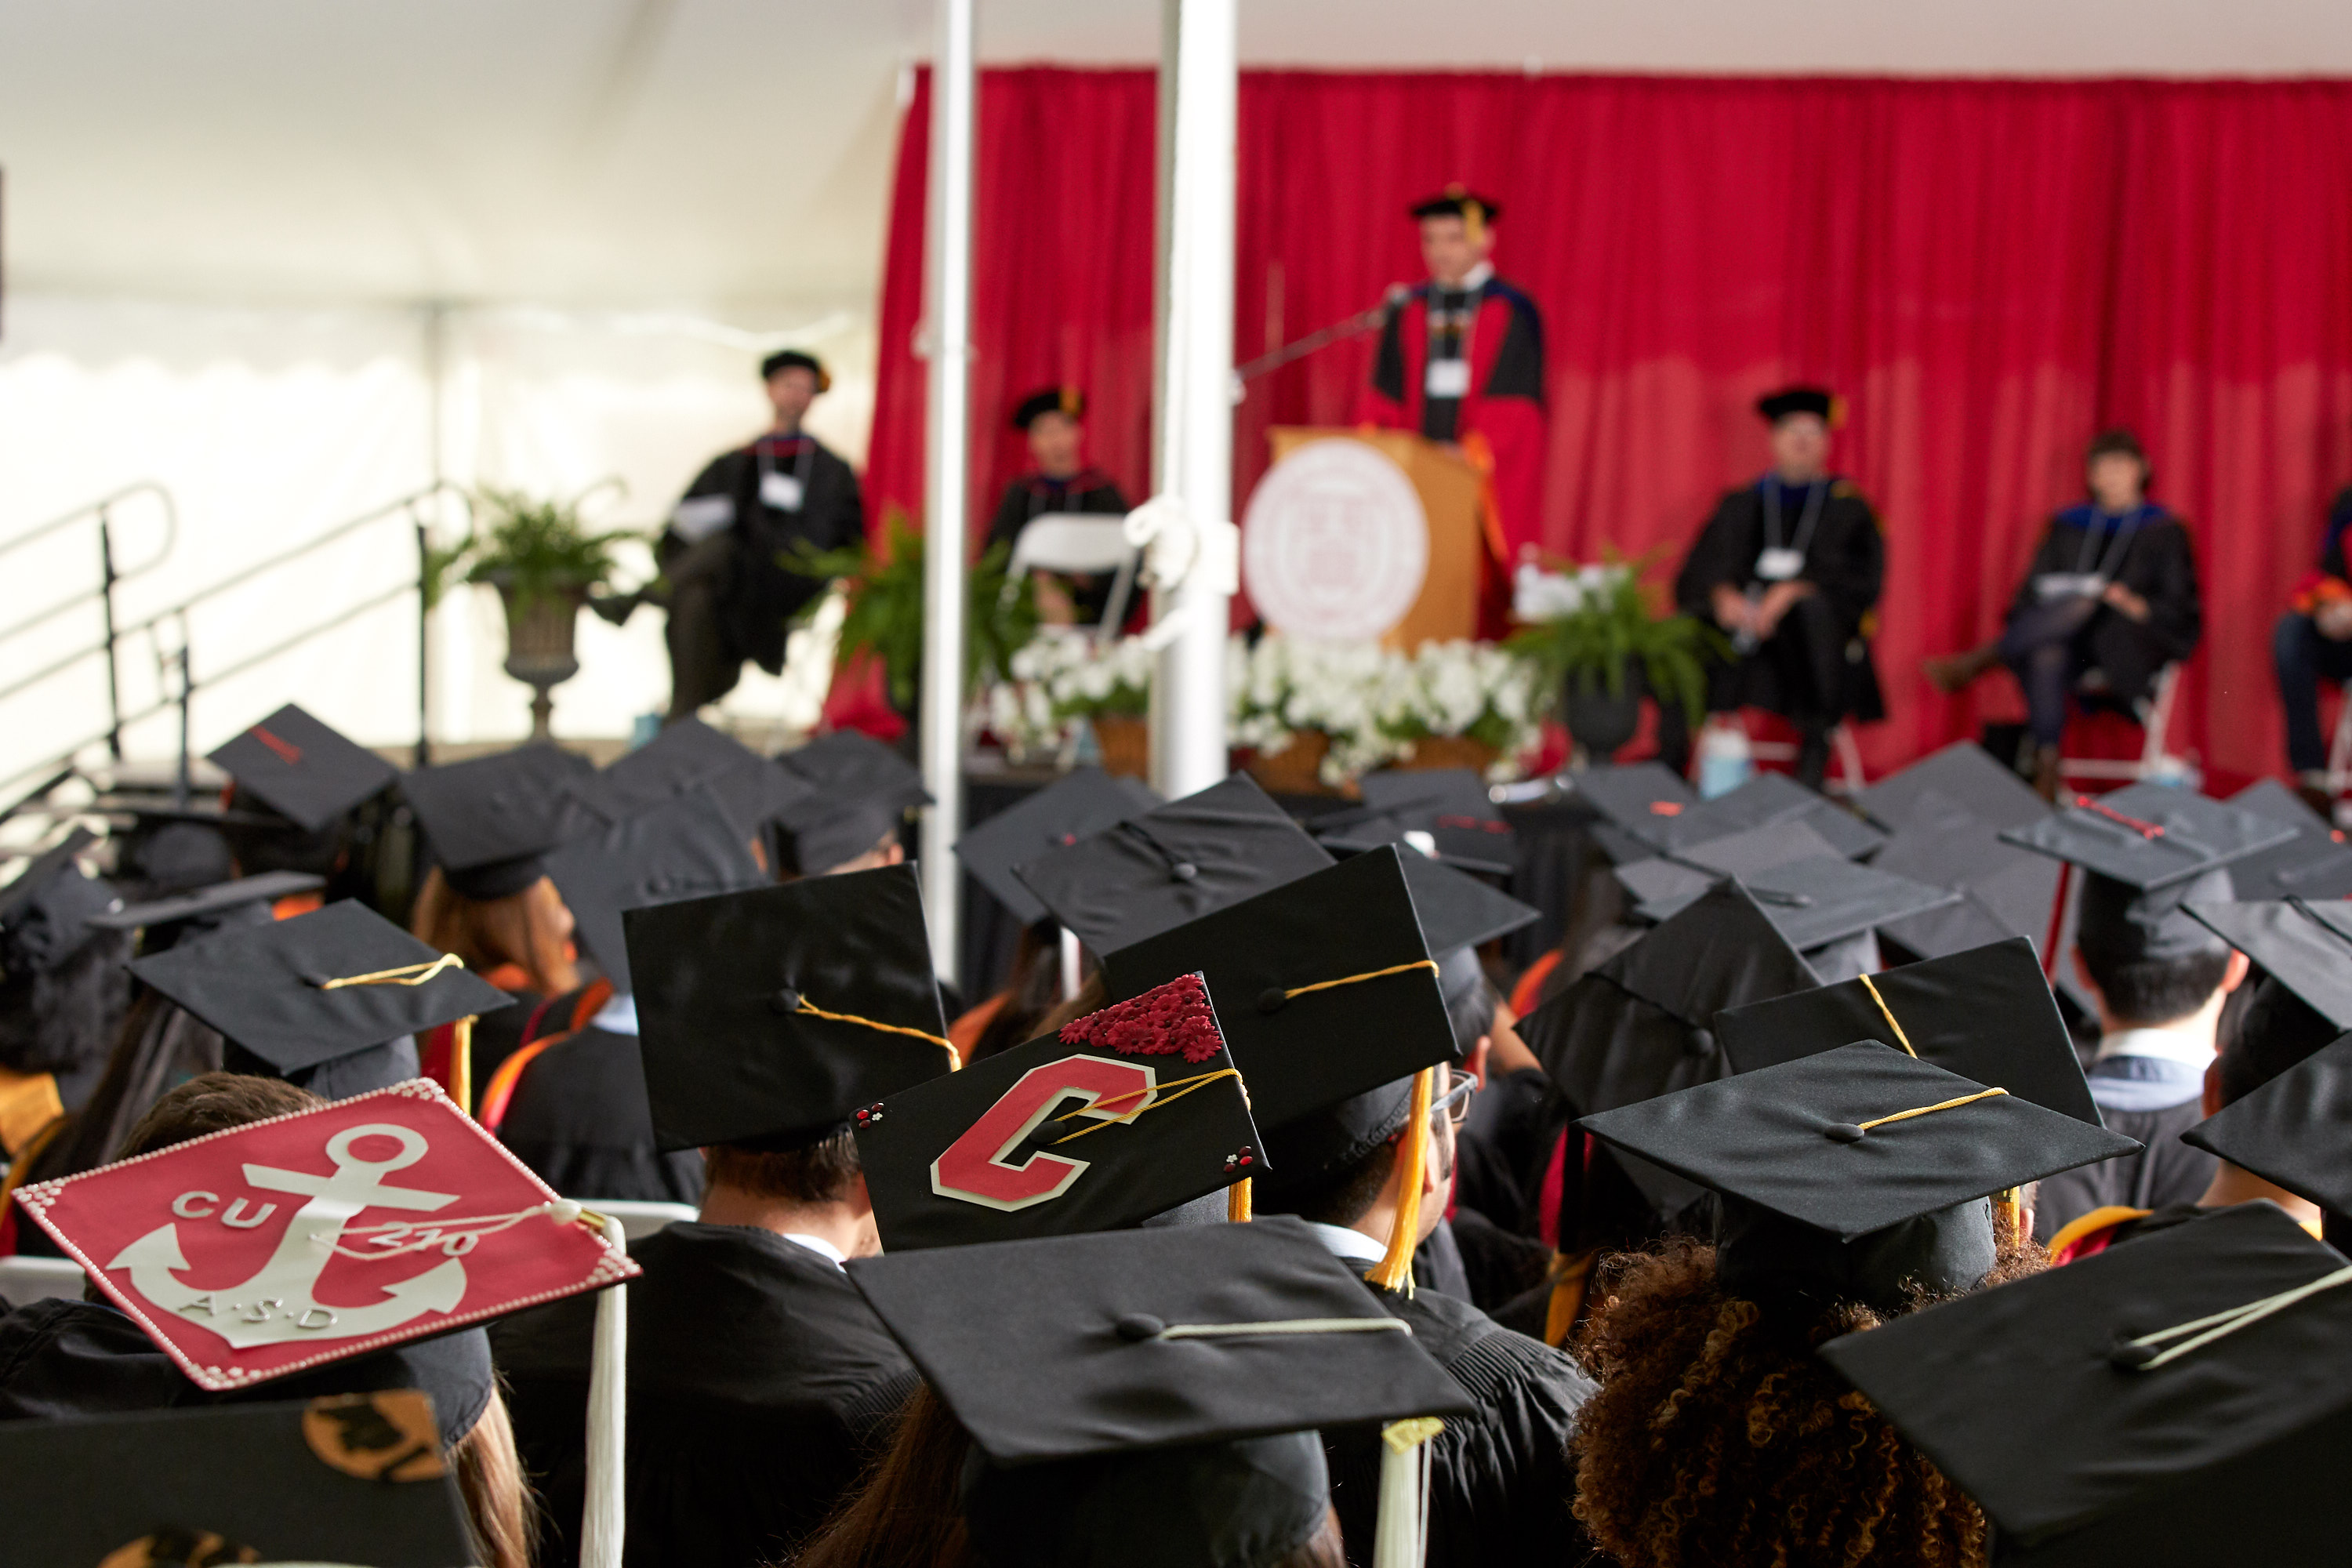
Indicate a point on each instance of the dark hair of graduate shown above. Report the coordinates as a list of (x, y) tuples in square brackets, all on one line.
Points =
[(819, 1172), (500, 1507), (2154, 989), (1719, 1436), (903, 1514), (1034, 990), (525, 929)]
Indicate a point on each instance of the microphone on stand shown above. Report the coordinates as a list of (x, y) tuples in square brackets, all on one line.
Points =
[(1354, 326)]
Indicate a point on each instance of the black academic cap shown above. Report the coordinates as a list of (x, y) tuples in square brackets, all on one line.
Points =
[(1939, 933), (1325, 986), (1986, 1015), (687, 847), (2149, 835), (1827, 899), (1456, 909), (1642, 1023), (678, 757), (1078, 806), (1661, 885), (1766, 800), (488, 820), (255, 894), (273, 989), (1450, 805), (1945, 844), (1122, 1114), (1455, 201), (42, 869), (862, 791), (2315, 864), (1964, 773), (301, 769), (783, 360), (2306, 946), (1070, 1346), (348, 1479), (47, 912), (2146, 1446), (1852, 1144), (1175, 863), (2293, 1129), (1819, 402), (849, 764), (1068, 401), (1642, 799), (770, 1016)]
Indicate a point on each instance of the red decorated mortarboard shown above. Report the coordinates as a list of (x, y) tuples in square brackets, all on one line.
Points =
[(263, 1249), (1127, 1113)]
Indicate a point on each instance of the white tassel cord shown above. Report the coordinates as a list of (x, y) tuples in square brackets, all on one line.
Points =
[(1402, 1537), (602, 1519)]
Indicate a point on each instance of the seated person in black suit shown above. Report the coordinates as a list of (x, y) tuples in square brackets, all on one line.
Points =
[(1062, 483)]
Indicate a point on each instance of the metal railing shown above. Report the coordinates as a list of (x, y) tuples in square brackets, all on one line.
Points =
[(176, 658), (111, 576)]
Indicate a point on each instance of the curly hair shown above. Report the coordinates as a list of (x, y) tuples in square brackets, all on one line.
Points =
[(1718, 1436)]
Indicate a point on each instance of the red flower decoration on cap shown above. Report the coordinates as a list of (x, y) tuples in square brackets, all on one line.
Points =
[(1167, 1020)]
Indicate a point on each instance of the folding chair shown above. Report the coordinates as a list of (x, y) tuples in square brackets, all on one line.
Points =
[(1078, 545)]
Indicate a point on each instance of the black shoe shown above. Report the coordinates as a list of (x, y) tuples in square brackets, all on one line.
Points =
[(1812, 760)]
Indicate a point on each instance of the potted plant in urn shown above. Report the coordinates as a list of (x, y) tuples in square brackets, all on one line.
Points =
[(542, 562), (1306, 713), (1591, 634), (1061, 682), (1460, 705)]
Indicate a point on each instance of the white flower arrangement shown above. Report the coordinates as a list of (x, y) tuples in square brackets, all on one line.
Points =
[(1476, 690), (1281, 686), (1059, 678), (1537, 594)]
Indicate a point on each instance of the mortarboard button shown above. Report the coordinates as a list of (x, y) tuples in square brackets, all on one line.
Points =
[(1140, 1326), (1844, 1132), (1183, 871), (1271, 999), (785, 1000), (2130, 1355), (1700, 1042)]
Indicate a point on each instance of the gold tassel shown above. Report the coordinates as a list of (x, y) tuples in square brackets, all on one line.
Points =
[(461, 1064), (1394, 1270), (1237, 1202)]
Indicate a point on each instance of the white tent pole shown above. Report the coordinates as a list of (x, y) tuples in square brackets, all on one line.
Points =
[(947, 287), (1197, 545)]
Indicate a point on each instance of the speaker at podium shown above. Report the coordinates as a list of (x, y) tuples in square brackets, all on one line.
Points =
[(1364, 535)]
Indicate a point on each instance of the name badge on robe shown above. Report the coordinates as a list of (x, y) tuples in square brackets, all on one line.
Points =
[(1779, 564), (1447, 378), (698, 518), (782, 491), (2069, 585)]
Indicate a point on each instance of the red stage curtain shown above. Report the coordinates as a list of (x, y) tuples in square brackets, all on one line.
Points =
[(1989, 270)]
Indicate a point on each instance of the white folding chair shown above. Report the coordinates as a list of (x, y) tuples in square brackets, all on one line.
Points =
[(2154, 761), (639, 1218), (25, 1280), (1077, 544)]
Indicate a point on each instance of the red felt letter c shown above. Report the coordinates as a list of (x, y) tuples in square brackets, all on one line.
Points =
[(974, 1170)]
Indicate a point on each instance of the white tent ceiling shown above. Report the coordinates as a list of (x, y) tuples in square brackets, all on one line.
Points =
[(731, 156)]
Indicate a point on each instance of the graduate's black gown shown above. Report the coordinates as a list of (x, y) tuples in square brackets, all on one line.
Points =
[(1089, 492), (1500, 1482), (580, 1120), (2158, 563), (1844, 560), (2163, 1172), (760, 1385), (761, 593)]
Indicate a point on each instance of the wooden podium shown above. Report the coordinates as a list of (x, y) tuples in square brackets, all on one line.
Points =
[(1447, 608)]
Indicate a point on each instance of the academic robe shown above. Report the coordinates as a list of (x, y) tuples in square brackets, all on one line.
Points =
[(2163, 1172), (1503, 407), (760, 1385), (1501, 1481), (1844, 560), (579, 1118), (1089, 492), (760, 595), (2156, 562)]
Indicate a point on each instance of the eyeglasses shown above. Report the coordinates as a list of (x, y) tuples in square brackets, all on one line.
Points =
[(1454, 1103)]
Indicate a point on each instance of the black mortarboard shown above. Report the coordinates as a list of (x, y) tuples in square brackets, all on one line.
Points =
[(42, 869), (2293, 1129), (1856, 1145), (2306, 946), (1767, 800), (1455, 201), (678, 757), (2315, 864), (1642, 799), (332, 1480), (1661, 885), (488, 820), (1826, 899), (2147, 1444), (770, 1016), (1456, 909), (1078, 806), (1125, 1113), (783, 360), (1943, 843), (301, 769), (1170, 864), (862, 791), (253, 894), (685, 849), (47, 912), (1449, 805), (1819, 402), (1986, 1015), (301, 992), (1068, 401), (1068, 1346), (1962, 771), (1642, 1023), (1325, 986), (1941, 932)]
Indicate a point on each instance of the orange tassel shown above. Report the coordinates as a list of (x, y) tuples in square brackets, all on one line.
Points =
[(1394, 1270)]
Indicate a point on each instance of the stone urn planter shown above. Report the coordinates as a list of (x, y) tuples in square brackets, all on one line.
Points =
[(539, 649)]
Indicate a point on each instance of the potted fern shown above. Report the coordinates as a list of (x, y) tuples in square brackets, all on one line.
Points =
[(543, 561), (1593, 635)]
